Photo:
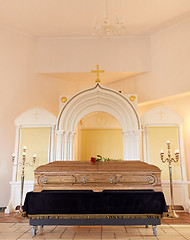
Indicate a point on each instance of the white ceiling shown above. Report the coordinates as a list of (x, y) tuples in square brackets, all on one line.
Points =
[(75, 18)]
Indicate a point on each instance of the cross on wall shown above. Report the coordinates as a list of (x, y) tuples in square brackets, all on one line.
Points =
[(97, 71), (36, 115)]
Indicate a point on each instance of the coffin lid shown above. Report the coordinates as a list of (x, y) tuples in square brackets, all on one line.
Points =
[(108, 166)]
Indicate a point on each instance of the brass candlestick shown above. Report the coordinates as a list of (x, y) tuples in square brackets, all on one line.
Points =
[(169, 159), (23, 164)]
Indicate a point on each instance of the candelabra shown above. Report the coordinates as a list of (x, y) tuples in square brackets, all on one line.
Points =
[(23, 164), (169, 159)]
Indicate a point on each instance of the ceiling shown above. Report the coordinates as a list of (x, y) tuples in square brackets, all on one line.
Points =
[(75, 18)]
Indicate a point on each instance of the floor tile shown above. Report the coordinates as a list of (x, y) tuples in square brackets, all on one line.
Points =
[(177, 229)]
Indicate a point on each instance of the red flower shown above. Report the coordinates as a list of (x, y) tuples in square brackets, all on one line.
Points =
[(93, 159)]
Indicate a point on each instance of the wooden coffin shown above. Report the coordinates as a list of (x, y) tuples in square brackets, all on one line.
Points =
[(99, 176)]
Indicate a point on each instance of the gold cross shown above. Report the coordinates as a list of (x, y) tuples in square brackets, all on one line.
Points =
[(97, 71)]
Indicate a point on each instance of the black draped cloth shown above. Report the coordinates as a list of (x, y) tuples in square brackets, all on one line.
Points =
[(89, 202)]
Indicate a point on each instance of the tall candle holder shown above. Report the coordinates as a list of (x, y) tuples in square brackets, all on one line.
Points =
[(169, 159), (23, 164)]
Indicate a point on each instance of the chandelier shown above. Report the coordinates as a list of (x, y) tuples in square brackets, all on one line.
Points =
[(107, 28)]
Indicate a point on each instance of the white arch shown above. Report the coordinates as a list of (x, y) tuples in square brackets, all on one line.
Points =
[(95, 99)]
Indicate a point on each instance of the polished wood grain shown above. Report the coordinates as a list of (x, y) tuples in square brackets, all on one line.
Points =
[(99, 176)]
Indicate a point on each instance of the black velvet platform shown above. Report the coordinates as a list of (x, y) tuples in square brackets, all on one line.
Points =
[(114, 207), (89, 202)]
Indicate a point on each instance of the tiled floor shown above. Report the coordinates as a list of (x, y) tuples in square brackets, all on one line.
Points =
[(14, 227)]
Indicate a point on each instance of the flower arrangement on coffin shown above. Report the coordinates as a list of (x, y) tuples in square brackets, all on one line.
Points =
[(99, 158)]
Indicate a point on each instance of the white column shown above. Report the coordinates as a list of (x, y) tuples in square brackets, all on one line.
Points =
[(52, 144), (71, 145), (10, 207), (16, 151), (59, 140), (131, 145), (183, 169), (182, 155), (125, 150), (145, 144), (65, 146)]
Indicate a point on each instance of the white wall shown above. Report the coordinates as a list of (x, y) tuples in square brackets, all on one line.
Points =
[(82, 54), (16, 66), (21, 89), (170, 75)]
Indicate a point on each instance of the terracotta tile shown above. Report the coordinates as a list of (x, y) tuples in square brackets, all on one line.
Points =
[(146, 231), (186, 236), (119, 235), (171, 237), (149, 238), (95, 229), (136, 238), (68, 236), (10, 235), (87, 236)]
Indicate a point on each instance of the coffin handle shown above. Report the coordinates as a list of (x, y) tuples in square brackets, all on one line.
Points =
[(75, 181), (84, 180)]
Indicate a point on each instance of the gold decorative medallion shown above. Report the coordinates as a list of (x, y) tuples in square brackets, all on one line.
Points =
[(63, 99), (132, 98)]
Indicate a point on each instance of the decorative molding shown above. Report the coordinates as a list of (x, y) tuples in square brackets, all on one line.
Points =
[(132, 133), (100, 99), (36, 116), (181, 192), (160, 115), (163, 117), (32, 118), (95, 99)]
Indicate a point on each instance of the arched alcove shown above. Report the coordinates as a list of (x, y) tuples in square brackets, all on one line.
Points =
[(97, 99), (159, 125), (34, 129), (98, 133)]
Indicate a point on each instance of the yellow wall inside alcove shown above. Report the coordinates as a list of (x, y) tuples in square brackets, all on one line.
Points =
[(37, 142), (105, 142), (157, 139)]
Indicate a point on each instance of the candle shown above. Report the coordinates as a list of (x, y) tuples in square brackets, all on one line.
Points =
[(24, 148), (161, 151), (168, 141), (34, 156), (13, 155)]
